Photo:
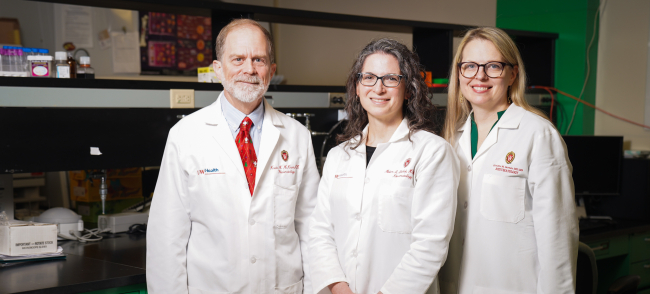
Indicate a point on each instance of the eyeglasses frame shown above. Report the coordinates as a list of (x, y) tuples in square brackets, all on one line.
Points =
[(359, 75), (460, 71)]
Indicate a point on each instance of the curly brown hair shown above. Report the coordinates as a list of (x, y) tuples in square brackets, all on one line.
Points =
[(417, 109)]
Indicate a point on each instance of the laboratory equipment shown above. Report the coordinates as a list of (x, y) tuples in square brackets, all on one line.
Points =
[(68, 222), (121, 222), (597, 163)]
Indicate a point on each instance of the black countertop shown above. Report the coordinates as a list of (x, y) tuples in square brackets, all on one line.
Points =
[(120, 260), (116, 261), (615, 228)]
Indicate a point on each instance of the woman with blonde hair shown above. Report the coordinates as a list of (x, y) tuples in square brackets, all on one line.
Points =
[(515, 228)]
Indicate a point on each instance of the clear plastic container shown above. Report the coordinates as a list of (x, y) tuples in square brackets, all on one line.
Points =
[(40, 65), (62, 66)]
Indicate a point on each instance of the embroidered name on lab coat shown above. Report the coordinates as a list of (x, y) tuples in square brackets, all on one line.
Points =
[(286, 169), (507, 169), (401, 173)]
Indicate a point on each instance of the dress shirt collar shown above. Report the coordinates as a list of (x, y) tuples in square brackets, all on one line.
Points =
[(234, 117)]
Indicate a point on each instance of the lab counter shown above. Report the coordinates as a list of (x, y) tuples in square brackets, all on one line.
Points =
[(116, 261)]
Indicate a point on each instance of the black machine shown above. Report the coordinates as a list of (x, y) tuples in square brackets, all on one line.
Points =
[(597, 163), (597, 172)]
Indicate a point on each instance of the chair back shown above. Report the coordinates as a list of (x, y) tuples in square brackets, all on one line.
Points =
[(587, 271)]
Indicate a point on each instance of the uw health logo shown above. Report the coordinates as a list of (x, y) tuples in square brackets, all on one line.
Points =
[(209, 171)]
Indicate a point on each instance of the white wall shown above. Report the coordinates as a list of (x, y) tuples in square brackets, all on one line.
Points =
[(622, 70), (305, 55), (309, 55)]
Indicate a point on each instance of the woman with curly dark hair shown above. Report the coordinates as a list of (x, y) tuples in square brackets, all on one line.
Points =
[(387, 197)]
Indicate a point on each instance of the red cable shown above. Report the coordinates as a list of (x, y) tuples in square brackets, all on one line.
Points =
[(591, 105)]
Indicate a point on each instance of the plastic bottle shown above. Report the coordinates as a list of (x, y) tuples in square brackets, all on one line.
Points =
[(20, 60), (62, 66), (85, 71), (40, 66), (26, 52), (2, 59), (73, 65), (12, 59)]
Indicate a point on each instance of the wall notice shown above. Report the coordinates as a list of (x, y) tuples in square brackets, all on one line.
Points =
[(77, 25)]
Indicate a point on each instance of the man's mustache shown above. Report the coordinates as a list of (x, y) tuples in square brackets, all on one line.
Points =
[(248, 79)]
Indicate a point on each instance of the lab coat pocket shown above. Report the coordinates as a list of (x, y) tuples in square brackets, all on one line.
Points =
[(295, 288), (284, 205), (395, 209), (502, 198)]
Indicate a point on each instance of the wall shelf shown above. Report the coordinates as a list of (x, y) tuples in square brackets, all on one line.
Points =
[(52, 123)]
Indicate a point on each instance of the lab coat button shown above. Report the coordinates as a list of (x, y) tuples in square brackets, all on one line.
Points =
[(354, 253), (367, 180), (251, 222), (469, 168), (253, 260), (465, 204), (357, 217)]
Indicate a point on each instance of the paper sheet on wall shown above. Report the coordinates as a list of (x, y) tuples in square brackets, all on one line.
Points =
[(126, 52), (77, 25)]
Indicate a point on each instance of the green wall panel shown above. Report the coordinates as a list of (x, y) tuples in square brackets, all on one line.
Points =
[(573, 21)]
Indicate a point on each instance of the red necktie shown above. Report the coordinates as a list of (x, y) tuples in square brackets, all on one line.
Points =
[(247, 152)]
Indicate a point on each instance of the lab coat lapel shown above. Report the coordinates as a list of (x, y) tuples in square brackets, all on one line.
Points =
[(223, 136), (509, 120), (465, 140), (490, 140), (270, 136), (357, 166)]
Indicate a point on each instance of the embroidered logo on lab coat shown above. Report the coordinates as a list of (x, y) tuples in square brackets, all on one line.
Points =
[(510, 157), (209, 171), (285, 155), (407, 162)]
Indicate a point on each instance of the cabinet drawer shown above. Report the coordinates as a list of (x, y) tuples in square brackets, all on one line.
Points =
[(642, 269), (609, 247), (639, 247)]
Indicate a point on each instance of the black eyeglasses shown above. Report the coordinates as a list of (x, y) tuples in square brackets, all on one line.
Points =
[(492, 69), (389, 80)]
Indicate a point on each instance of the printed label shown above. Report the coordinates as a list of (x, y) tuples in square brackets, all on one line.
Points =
[(63, 72), (40, 69)]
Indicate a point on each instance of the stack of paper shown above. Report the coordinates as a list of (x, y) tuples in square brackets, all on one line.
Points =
[(7, 260)]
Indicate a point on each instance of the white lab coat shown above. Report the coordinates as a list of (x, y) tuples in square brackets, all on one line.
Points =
[(206, 233), (516, 230), (385, 227)]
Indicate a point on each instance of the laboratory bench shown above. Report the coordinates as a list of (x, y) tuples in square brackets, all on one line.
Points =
[(621, 248), (115, 264)]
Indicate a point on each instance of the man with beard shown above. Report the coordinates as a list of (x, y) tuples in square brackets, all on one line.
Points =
[(237, 183)]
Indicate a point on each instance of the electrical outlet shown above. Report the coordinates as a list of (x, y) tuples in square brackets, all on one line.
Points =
[(181, 98)]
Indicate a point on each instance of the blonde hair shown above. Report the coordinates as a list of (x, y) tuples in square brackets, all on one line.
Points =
[(458, 112)]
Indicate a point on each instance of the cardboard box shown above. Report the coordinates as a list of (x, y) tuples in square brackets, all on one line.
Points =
[(206, 75), (23, 238), (125, 183), (9, 31)]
